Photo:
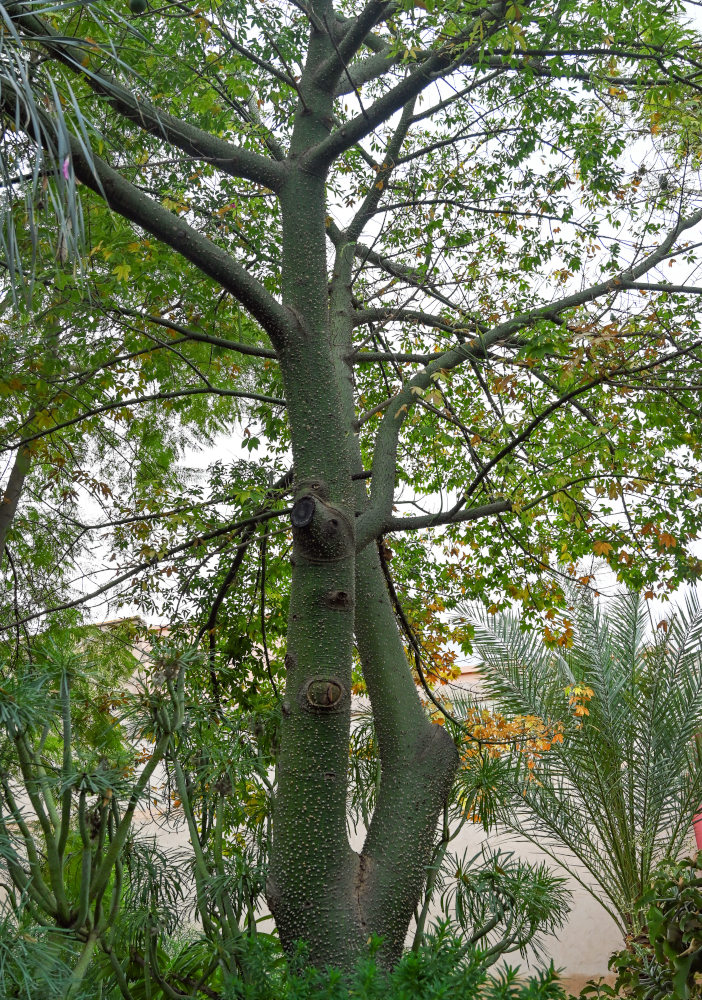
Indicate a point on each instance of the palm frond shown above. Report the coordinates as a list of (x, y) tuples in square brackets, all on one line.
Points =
[(620, 791)]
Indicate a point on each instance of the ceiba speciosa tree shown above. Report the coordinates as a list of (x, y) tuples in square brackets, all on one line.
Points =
[(454, 262)]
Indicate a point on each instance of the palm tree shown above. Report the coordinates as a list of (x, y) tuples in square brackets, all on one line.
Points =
[(619, 792)]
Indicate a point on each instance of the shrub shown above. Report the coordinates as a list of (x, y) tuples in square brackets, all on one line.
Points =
[(665, 959)]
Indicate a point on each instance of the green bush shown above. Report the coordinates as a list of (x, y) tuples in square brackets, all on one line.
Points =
[(36, 967), (665, 959), (444, 968)]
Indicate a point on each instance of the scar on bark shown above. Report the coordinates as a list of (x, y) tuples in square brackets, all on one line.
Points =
[(323, 694), (338, 600)]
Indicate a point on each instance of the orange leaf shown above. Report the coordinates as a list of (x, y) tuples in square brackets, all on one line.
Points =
[(601, 548)]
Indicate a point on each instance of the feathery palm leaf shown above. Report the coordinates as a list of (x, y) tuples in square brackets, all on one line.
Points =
[(620, 791)]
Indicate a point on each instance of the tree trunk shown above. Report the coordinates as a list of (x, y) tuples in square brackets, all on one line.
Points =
[(12, 494), (319, 890)]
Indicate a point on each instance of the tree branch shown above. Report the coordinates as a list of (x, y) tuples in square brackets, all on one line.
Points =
[(401, 315), (189, 333), (201, 145), (662, 286), (438, 63), (372, 523), (447, 517), (137, 207), (356, 31), (366, 70), (418, 759), (370, 202), (396, 270), (366, 357), (13, 492), (148, 564), (117, 404)]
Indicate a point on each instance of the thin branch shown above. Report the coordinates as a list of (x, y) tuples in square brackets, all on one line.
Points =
[(148, 564), (437, 64), (190, 333), (150, 398), (366, 70), (13, 492), (242, 50), (370, 202), (412, 638), (447, 517), (400, 315), (372, 522), (417, 279)]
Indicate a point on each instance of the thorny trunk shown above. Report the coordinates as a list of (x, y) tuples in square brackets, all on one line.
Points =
[(321, 891)]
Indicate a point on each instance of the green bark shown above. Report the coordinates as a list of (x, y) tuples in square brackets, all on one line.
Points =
[(12, 494), (320, 891)]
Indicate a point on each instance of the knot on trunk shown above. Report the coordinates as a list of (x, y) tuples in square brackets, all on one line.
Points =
[(322, 533), (338, 600)]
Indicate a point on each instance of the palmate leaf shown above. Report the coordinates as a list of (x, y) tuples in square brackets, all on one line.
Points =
[(620, 791)]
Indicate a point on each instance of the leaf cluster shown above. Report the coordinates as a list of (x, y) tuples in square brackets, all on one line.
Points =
[(621, 788)]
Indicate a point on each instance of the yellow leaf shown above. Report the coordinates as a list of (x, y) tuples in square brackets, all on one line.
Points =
[(121, 271)]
